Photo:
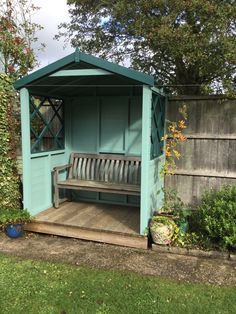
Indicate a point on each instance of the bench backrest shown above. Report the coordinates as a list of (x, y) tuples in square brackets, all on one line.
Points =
[(106, 168)]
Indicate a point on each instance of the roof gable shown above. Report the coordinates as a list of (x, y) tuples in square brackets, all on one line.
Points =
[(78, 57)]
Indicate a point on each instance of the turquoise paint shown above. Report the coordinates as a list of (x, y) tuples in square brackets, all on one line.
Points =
[(25, 137), (146, 147), (134, 134), (102, 124), (155, 185), (87, 72), (113, 124), (84, 125), (41, 179)]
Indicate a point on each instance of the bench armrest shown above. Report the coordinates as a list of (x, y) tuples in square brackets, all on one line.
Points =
[(59, 168), (56, 171)]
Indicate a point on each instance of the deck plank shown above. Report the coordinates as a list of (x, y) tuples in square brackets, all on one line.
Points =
[(91, 221)]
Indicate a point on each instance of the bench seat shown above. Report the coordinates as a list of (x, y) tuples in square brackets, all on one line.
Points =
[(96, 186), (107, 173)]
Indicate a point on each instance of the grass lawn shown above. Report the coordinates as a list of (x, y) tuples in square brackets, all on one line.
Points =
[(37, 287)]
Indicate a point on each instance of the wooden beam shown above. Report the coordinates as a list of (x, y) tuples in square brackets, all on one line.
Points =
[(85, 72), (118, 238), (208, 173), (199, 136)]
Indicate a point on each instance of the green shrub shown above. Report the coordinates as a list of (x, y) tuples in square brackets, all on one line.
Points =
[(217, 216), (13, 216), (9, 178)]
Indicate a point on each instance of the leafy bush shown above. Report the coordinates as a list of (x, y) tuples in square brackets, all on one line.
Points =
[(9, 178), (173, 205), (217, 216), (13, 215)]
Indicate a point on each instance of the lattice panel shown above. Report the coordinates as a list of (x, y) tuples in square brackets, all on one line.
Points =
[(157, 125), (46, 124)]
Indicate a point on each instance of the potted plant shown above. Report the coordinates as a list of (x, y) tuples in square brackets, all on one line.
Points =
[(175, 209), (163, 230), (12, 221)]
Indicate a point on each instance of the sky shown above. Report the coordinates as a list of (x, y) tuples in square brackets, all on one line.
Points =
[(50, 15)]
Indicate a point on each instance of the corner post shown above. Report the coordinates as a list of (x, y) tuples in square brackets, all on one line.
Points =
[(25, 139), (146, 149)]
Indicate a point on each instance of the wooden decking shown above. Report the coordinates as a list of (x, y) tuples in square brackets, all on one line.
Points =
[(114, 224)]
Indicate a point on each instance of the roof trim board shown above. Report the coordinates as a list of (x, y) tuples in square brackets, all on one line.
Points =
[(79, 56), (85, 72)]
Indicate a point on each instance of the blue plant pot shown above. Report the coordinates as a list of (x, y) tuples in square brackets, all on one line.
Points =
[(14, 231)]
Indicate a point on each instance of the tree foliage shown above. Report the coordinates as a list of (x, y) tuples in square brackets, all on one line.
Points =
[(189, 43), (17, 34)]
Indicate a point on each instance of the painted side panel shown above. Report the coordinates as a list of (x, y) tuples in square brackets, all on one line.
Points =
[(41, 179), (40, 184), (105, 124), (134, 134), (113, 124), (84, 125), (155, 183)]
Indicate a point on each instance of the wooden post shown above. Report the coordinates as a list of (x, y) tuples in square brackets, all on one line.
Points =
[(25, 138), (146, 147)]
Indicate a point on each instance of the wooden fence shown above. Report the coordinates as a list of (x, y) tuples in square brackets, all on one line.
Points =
[(209, 154)]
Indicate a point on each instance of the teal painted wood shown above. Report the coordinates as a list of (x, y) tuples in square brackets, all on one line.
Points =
[(158, 125), (25, 137), (51, 121), (134, 135), (87, 72), (40, 184), (77, 57), (41, 179), (49, 69), (155, 184), (84, 122), (113, 124), (117, 69), (146, 147), (158, 91), (102, 124)]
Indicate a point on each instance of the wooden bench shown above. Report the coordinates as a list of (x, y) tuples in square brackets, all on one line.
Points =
[(108, 173)]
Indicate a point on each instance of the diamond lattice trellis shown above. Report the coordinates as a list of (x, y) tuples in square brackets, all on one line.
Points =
[(158, 125), (46, 124)]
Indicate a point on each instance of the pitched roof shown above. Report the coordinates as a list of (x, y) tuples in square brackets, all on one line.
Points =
[(73, 70)]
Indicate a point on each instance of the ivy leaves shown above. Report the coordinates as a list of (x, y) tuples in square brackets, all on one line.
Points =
[(9, 179)]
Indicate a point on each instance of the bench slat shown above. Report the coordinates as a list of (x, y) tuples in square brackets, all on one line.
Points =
[(111, 171), (121, 175), (136, 167), (88, 176), (93, 168), (99, 185), (107, 173), (107, 164)]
